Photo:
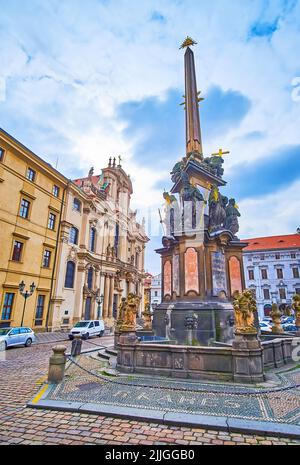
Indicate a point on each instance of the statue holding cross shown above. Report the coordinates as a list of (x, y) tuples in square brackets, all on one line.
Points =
[(216, 161)]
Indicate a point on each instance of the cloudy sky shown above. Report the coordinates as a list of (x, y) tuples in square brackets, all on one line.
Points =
[(82, 81)]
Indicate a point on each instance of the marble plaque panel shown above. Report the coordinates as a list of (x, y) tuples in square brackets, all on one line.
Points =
[(176, 287), (191, 270), (218, 273), (167, 278), (235, 275)]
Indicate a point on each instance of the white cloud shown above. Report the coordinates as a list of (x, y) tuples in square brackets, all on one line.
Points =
[(68, 65)]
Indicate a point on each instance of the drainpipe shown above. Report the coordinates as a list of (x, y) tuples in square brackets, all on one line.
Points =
[(55, 255)]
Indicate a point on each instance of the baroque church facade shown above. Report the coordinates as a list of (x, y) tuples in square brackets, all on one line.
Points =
[(102, 249)]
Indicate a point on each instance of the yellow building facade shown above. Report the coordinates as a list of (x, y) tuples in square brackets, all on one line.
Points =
[(74, 240), (31, 205)]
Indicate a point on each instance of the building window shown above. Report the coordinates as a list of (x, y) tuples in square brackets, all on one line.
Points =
[(24, 209), (262, 257), (30, 174), (251, 274), (279, 273), (90, 278), (282, 293), (1, 154), (39, 313), (7, 306), (277, 256), (92, 239), (253, 292), (73, 237), (77, 205), (297, 290), (266, 294), (46, 259), (264, 274), (155, 294), (70, 275), (296, 272), (55, 191), (51, 221), (293, 256), (17, 252)]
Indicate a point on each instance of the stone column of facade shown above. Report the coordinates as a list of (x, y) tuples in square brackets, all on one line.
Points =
[(106, 297), (111, 297)]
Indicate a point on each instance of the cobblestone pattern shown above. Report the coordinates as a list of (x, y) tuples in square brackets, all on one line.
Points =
[(21, 376)]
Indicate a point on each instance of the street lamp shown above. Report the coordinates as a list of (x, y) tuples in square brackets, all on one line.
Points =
[(99, 300), (26, 294)]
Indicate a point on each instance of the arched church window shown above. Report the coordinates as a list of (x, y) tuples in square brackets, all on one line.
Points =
[(70, 275), (73, 238), (90, 278)]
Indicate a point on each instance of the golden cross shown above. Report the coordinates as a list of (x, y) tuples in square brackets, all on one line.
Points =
[(220, 153), (188, 42)]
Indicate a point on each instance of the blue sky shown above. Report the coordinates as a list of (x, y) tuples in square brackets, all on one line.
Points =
[(84, 81)]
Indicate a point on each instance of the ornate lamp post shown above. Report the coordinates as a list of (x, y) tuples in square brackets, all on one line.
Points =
[(99, 300), (26, 294)]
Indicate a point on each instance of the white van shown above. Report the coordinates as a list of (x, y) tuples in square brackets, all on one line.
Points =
[(87, 328)]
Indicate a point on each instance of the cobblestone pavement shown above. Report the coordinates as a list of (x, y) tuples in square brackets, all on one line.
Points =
[(21, 376)]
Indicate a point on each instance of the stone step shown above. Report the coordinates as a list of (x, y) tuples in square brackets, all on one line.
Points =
[(111, 351), (103, 355)]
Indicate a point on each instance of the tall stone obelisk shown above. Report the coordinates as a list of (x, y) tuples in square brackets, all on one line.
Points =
[(192, 99)]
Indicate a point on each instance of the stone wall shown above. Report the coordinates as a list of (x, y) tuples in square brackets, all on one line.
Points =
[(215, 363)]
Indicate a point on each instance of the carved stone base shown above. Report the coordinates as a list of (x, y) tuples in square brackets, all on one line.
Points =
[(246, 341), (128, 338)]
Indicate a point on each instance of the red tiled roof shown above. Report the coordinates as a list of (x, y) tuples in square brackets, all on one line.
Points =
[(273, 242), (95, 180)]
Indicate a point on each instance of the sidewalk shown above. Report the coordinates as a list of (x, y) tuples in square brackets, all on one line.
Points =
[(57, 336)]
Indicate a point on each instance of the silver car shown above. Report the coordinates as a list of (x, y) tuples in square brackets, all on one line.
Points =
[(10, 337)]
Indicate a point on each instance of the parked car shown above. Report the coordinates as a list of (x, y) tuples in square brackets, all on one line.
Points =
[(266, 319), (288, 320), (264, 326), (87, 328), (16, 337), (289, 327)]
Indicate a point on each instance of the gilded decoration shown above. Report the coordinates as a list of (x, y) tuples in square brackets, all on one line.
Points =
[(296, 308), (244, 306), (130, 312)]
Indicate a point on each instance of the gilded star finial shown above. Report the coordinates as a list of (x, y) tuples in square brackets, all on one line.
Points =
[(189, 42)]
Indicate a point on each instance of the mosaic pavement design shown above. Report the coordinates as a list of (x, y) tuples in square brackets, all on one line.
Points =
[(197, 397)]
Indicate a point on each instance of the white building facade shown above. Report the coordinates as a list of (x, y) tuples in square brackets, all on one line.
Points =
[(156, 290), (272, 270)]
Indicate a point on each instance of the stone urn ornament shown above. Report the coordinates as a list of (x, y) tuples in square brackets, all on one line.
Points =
[(276, 319)]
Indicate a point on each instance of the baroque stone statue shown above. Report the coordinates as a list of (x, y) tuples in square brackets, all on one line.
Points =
[(130, 313), (232, 214), (296, 308), (217, 212), (176, 171), (244, 306), (147, 317), (121, 313), (215, 164), (188, 191)]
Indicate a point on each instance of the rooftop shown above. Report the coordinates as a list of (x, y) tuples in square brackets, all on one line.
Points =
[(289, 241)]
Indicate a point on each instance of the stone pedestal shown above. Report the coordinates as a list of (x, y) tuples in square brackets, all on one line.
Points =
[(57, 364), (247, 359), (76, 346), (246, 341)]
